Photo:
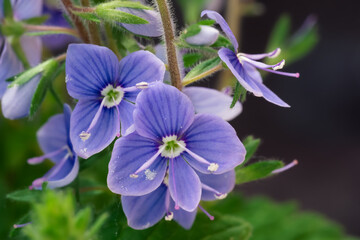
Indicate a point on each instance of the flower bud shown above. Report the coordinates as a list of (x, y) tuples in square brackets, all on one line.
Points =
[(207, 36)]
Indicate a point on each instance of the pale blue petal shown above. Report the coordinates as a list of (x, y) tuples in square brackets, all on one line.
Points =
[(223, 183), (211, 101), (66, 175), (162, 110), (90, 69), (182, 217), (207, 36), (32, 47), (129, 154), (126, 110), (145, 211), (216, 141), (102, 134), (184, 184), (25, 9)]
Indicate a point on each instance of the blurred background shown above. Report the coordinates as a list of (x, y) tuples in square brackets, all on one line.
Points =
[(321, 129)]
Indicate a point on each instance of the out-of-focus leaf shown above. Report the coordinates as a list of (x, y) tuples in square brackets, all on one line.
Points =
[(280, 33), (222, 42), (251, 145), (125, 4), (7, 8), (191, 31), (25, 195), (191, 9), (90, 16), (256, 171), (37, 20)]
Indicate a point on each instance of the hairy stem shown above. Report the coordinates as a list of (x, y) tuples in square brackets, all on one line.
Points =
[(203, 75), (77, 21), (93, 28), (168, 26)]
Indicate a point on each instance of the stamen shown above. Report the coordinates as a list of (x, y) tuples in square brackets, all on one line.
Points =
[(217, 194), (85, 135), (212, 166), (138, 86), (174, 185), (287, 167), (21, 225), (169, 216), (37, 160), (279, 65), (207, 214), (117, 108), (260, 56), (148, 163), (295, 75)]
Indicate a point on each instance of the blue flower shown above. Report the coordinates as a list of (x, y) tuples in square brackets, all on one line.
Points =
[(16, 100), (169, 134), (145, 211), (54, 140), (243, 65), (206, 37), (106, 90)]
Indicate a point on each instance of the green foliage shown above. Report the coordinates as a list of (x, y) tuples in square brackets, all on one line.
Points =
[(7, 8), (55, 217), (191, 59), (37, 20), (251, 145), (202, 68), (256, 171), (191, 9), (25, 195), (293, 47), (239, 94)]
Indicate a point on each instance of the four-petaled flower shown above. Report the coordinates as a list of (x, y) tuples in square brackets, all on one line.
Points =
[(243, 65), (169, 135), (145, 211), (54, 140), (106, 90)]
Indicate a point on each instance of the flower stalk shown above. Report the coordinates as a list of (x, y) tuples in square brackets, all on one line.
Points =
[(63, 30), (169, 35), (203, 75)]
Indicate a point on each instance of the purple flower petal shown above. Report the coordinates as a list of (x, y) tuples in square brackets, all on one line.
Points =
[(17, 100), (145, 211), (32, 47), (135, 68), (162, 110), (206, 100), (223, 24), (102, 134), (252, 72), (231, 60), (129, 154), (66, 174), (184, 185), (126, 110), (152, 29), (184, 218), (222, 183), (207, 36), (9, 64), (89, 69), (216, 141), (24, 9), (270, 96), (53, 136)]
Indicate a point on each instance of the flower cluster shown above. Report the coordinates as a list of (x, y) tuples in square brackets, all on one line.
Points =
[(173, 146)]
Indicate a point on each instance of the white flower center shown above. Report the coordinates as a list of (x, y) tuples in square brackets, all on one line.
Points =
[(172, 146), (112, 96)]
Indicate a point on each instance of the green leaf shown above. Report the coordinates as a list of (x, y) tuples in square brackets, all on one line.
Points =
[(191, 31), (256, 171), (280, 33), (29, 74), (191, 59), (117, 16), (207, 22), (43, 33), (237, 94), (25, 195), (37, 20), (44, 83), (251, 145), (222, 42), (202, 68)]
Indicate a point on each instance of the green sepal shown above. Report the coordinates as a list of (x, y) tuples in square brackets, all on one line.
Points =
[(202, 67), (257, 171), (49, 73), (207, 22), (7, 8), (191, 31), (117, 16), (11, 28), (239, 94), (19, 51), (222, 42), (251, 145), (124, 4), (25, 195), (90, 16)]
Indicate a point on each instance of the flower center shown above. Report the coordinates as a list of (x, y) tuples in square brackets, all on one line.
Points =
[(172, 146), (112, 96)]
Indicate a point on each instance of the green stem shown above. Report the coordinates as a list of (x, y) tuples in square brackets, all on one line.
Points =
[(56, 96), (93, 28), (111, 41), (38, 28), (76, 20), (203, 75), (168, 26)]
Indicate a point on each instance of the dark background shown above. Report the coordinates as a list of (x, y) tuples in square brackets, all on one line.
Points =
[(322, 127)]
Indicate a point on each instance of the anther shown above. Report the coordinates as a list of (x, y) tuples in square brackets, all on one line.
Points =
[(142, 85), (134, 175), (213, 167), (220, 196), (84, 135), (169, 216), (280, 65)]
